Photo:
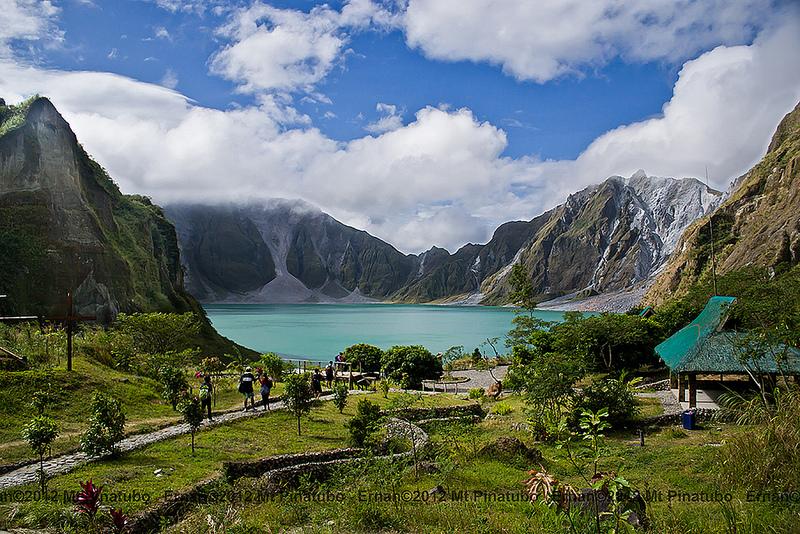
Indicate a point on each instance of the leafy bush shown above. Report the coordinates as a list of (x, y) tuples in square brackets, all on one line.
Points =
[(477, 393), (273, 365), (152, 333), (173, 384), (409, 365), (340, 393), (106, 426), (364, 423), (613, 394), (502, 408), (367, 356)]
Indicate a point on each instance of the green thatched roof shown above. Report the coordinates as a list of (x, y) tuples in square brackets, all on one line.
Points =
[(702, 347)]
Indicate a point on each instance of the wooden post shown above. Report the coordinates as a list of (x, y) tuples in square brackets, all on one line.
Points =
[(681, 386), (692, 390), (673, 380)]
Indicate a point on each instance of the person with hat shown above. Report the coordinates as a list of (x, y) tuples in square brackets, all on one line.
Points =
[(246, 387)]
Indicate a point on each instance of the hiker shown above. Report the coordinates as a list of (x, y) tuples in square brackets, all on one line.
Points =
[(266, 386), (316, 383), (246, 387), (339, 358), (206, 393), (329, 374)]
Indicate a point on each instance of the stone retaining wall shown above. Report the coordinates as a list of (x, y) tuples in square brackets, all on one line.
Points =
[(417, 414), (280, 473), (256, 468)]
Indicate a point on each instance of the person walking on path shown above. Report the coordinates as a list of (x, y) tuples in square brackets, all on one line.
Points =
[(206, 393), (246, 387), (266, 387), (329, 374), (316, 383)]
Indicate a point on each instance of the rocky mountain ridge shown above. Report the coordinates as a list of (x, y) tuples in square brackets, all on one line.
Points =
[(607, 237), (758, 224)]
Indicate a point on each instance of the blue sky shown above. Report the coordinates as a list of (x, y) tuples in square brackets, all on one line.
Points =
[(553, 120), (425, 122)]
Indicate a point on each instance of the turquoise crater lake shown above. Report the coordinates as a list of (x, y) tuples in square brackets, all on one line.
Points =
[(320, 331)]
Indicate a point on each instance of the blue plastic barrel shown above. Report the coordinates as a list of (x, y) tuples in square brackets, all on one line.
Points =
[(687, 418)]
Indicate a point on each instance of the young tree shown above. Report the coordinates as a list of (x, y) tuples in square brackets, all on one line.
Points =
[(364, 423), (106, 426), (273, 365), (340, 393), (192, 410), (368, 357), (40, 433), (173, 384), (158, 333), (298, 396)]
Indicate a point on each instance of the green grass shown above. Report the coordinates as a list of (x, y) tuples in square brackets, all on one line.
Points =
[(71, 393), (670, 460), (272, 433)]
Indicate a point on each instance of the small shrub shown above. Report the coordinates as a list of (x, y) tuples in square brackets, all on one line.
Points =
[(192, 410), (87, 501), (340, 393), (40, 433), (173, 384), (368, 357), (384, 385), (364, 423), (409, 365), (106, 426), (613, 394), (298, 396), (477, 393), (502, 408)]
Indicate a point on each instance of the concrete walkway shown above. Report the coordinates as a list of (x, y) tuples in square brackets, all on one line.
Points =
[(58, 465), (669, 402)]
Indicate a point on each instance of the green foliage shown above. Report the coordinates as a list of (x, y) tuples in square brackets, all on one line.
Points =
[(477, 393), (106, 426), (368, 357), (502, 408), (450, 356), (613, 395), (385, 385), (41, 400), (522, 293), (158, 333), (409, 365), (297, 395), (273, 365), (40, 433), (364, 423), (211, 365), (192, 409), (42, 346), (766, 456), (173, 384), (340, 393), (12, 117)]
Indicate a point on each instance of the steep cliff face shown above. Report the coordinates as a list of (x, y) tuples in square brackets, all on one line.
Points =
[(308, 256), (758, 224), (65, 226), (605, 238)]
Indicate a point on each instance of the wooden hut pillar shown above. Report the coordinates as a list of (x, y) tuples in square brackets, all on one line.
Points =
[(692, 390), (681, 388), (673, 381)]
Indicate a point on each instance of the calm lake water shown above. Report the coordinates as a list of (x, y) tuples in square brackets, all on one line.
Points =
[(320, 331)]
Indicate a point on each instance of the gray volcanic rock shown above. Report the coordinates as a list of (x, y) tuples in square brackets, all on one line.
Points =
[(309, 257)]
